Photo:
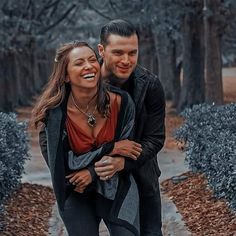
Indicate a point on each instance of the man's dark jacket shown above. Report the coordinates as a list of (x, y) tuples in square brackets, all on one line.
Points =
[(148, 95)]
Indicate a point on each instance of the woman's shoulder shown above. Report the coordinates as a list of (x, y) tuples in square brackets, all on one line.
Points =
[(115, 96), (125, 99)]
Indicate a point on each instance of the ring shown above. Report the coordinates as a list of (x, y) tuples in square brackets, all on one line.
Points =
[(107, 177)]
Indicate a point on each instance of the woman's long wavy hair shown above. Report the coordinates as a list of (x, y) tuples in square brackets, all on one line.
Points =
[(55, 89)]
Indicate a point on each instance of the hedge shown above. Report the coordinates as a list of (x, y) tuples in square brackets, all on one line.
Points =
[(209, 135), (14, 150)]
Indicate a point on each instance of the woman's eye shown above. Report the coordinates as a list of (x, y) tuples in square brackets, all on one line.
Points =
[(93, 60), (79, 63)]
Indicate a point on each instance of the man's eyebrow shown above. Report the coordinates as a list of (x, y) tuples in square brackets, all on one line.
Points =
[(117, 50)]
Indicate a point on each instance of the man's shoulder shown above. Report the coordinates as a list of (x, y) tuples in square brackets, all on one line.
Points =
[(119, 91), (141, 72)]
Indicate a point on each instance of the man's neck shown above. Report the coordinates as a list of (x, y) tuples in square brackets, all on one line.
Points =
[(111, 78)]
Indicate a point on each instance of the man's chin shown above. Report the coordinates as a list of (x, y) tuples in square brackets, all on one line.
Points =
[(123, 76)]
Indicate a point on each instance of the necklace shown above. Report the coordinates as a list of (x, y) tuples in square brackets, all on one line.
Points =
[(91, 117)]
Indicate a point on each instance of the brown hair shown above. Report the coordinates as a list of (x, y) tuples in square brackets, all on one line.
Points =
[(55, 89), (118, 27)]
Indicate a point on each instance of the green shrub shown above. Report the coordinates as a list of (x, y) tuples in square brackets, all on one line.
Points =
[(14, 149), (209, 135)]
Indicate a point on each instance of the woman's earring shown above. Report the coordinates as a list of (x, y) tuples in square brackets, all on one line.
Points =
[(67, 79)]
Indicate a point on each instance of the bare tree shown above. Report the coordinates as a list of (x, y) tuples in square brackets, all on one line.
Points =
[(171, 36), (217, 15), (166, 20), (24, 26), (193, 86), (137, 12), (26, 21), (229, 43)]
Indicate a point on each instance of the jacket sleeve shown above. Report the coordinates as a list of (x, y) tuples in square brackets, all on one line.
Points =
[(153, 135), (43, 142)]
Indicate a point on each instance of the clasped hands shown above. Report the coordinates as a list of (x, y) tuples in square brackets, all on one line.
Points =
[(108, 165)]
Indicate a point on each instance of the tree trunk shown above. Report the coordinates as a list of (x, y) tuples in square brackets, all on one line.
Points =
[(9, 93), (167, 65), (193, 86), (45, 66), (176, 78), (213, 59), (24, 77), (147, 54), (3, 83)]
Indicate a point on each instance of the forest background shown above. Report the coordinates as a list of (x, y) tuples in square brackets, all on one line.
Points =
[(185, 42)]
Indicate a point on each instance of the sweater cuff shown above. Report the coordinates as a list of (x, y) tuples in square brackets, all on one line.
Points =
[(109, 147), (129, 165), (92, 172)]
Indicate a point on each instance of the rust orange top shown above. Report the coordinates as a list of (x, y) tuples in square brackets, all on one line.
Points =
[(81, 142)]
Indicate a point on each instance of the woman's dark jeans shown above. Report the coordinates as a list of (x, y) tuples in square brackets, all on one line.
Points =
[(80, 218)]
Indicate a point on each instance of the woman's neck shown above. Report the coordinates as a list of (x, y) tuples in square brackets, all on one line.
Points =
[(84, 96)]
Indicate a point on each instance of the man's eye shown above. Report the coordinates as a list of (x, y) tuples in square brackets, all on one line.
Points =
[(133, 53), (117, 53)]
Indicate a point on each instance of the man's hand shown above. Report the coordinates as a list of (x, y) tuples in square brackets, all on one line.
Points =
[(108, 166), (81, 179), (127, 148)]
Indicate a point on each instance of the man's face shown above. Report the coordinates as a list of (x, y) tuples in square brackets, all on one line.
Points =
[(120, 56)]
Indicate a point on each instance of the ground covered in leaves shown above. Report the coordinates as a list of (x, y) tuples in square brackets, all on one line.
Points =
[(203, 214), (28, 211)]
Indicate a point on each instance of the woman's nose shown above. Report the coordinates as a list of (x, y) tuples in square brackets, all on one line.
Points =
[(88, 65)]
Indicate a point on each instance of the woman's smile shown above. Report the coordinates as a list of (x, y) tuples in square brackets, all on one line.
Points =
[(89, 76)]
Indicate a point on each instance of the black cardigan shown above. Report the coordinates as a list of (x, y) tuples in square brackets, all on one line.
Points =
[(55, 155)]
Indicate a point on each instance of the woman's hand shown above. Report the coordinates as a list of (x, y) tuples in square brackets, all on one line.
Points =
[(127, 148), (79, 189), (81, 179), (108, 166)]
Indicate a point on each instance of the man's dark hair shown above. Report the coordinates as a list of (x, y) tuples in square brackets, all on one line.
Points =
[(119, 27)]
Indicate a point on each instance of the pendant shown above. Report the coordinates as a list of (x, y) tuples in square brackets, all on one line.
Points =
[(91, 120)]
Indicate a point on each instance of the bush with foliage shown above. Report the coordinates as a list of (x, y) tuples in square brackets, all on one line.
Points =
[(209, 135), (14, 147)]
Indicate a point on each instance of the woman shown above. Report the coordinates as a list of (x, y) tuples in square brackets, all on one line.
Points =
[(82, 123)]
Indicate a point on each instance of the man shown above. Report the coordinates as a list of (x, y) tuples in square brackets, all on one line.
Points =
[(118, 49)]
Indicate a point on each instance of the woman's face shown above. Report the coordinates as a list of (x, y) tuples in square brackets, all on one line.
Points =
[(83, 69)]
